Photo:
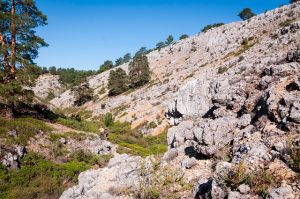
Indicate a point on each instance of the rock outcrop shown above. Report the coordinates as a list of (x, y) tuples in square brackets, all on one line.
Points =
[(121, 174)]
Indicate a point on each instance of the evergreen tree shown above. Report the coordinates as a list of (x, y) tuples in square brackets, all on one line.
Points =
[(246, 14), (127, 58), (117, 82), (141, 51), (184, 36), (19, 47), (139, 71), (82, 93), (19, 43), (106, 66), (160, 45), (170, 40), (53, 70), (119, 61)]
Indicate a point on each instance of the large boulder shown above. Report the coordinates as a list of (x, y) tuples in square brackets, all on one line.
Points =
[(122, 173)]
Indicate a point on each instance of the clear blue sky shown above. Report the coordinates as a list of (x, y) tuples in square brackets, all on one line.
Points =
[(84, 33)]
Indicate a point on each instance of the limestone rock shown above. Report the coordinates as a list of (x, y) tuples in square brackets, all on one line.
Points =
[(282, 193)]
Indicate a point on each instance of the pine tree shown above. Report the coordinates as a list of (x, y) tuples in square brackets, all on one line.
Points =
[(19, 43), (170, 40), (106, 66), (119, 61), (83, 93), (117, 82), (139, 71), (160, 45), (246, 14), (127, 57), (19, 47), (141, 51)]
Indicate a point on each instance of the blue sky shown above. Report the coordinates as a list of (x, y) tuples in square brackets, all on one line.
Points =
[(84, 33)]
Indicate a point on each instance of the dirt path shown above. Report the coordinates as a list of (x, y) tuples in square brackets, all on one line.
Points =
[(58, 128)]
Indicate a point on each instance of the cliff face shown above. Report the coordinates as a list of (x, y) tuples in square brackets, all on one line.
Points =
[(232, 97)]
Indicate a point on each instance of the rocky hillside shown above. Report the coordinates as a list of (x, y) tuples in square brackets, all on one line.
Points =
[(231, 95), (228, 49)]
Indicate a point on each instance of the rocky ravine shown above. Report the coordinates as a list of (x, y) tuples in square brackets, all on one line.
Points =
[(231, 124)]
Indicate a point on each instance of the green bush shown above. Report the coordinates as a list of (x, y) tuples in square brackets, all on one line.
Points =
[(79, 125), (108, 119), (211, 26), (294, 152), (222, 70), (25, 127), (184, 36), (39, 178), (131, 141), (89, 158)]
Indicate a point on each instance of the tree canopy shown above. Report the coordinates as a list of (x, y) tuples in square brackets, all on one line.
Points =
[(19, 42), (184, 36), (246, 14), (117, 82), (170, 40), (139, 71), (210, 26), (106, 66)]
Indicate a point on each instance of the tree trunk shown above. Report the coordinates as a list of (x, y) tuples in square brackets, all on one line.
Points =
[(4, 50), (13, 39)]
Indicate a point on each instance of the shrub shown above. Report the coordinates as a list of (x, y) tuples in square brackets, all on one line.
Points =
[(236, 176), (246, 14), (117, 82), (39, 178), (184, 36), (50, 96), (90, 159), (259, 181), (133, 142), (79, 125), (102, 91), (25, 127), (108, 119), (294, 152), (210, 26), (164, 182), (139, 71), (222, 70)]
